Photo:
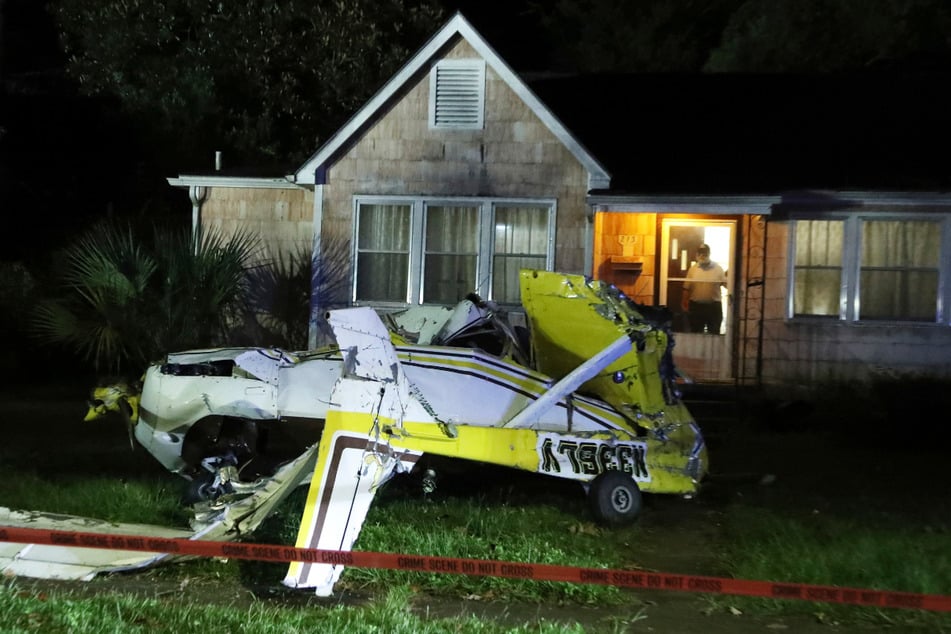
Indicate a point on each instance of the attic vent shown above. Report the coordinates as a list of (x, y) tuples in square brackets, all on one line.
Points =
[(457, 94)]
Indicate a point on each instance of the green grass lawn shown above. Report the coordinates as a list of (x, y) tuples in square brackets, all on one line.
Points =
[(866, 527)]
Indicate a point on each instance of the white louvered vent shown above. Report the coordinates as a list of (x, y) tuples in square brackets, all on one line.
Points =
[(457, 94)]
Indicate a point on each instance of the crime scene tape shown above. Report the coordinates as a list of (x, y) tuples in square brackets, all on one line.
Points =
[(483, 568)]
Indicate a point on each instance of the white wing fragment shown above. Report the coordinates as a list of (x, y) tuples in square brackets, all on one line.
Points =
[(221, 521)]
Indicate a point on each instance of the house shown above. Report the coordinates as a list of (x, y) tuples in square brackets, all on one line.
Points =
[(825, 199)]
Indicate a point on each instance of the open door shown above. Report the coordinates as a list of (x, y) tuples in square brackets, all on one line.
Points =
[(704, 356)]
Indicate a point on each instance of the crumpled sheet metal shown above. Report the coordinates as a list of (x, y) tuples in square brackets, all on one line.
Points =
[(70, 562), (212, 522)]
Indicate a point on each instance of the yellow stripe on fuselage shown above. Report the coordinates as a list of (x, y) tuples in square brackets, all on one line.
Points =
[(532, 384), (514, 448)]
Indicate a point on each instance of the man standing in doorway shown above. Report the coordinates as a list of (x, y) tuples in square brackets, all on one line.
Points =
[(701, 293)]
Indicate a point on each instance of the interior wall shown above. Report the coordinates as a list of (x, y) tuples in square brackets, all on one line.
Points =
[(624, 254)]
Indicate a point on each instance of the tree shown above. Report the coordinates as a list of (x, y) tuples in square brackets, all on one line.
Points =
[(833, 35), (770, 36), (263, 81), (634, 35), (123, 301)]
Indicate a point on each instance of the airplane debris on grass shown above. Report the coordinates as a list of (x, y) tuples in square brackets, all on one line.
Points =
[(586, 390)]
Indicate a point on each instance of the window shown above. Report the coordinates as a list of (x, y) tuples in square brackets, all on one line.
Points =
[(868, 268), (451, 253), (818, 267), (383, 245), (899, 270), (457, 94), (522, 238), (438, 251)]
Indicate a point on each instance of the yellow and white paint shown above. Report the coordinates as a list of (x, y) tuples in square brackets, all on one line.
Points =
[(392, 404), (595, 394)]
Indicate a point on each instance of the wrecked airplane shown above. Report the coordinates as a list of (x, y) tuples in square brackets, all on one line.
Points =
[(585, 391)]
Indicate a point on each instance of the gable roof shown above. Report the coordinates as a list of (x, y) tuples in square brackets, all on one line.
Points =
[(313, 170)]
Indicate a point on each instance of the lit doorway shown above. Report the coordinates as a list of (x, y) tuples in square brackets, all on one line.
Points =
[(700, 355)]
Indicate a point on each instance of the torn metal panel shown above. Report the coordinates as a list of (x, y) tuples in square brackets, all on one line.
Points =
[(350, 469), (240, 514), (209, 387), (559, 308), (69, 561), (417, 324), (572, 381), (223, 520)]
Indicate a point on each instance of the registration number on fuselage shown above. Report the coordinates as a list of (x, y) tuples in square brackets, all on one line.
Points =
[(581, 458)]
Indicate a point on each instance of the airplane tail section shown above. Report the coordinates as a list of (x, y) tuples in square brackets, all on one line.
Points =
[(351, 467), (354, 457)]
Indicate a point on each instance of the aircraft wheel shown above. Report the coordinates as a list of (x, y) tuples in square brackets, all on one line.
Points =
[(615, 498), (204, 488)]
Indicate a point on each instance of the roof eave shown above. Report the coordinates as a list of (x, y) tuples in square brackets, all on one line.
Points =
[(232, 182)]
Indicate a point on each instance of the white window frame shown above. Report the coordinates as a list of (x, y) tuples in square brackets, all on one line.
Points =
[(849, 290), (471, 71), (484, 259)]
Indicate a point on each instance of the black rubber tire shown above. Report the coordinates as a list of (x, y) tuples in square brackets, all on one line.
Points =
[(202, 489), (615, 498)]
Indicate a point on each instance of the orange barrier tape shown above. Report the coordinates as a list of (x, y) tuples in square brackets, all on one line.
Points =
[(483, 568)]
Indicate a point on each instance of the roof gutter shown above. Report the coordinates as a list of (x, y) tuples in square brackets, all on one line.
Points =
[(666, 203)]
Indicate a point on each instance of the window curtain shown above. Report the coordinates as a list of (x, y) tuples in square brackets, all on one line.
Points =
[(451, 253), (521, 242), (899, 270), (818, 267), (383, 244)]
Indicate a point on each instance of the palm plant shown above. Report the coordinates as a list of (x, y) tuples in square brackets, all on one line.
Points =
[(295, 288), (205, 288), (279, 301), (127, 299)]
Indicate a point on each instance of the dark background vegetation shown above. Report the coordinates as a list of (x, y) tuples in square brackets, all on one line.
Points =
[(101, 101)]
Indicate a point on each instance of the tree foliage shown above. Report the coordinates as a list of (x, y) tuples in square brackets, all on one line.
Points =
[(771, 36), (834, 35), (264, 81), (122, 296), (124, 299), (293, 291), (634, 35)]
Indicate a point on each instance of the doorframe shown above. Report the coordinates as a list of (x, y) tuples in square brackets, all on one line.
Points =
[(667, 221), (705, 357)]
